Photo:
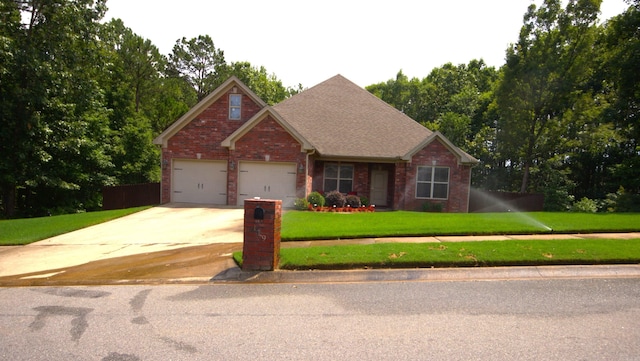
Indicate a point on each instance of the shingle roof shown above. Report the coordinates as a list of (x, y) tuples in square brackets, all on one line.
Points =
[(342, 120)]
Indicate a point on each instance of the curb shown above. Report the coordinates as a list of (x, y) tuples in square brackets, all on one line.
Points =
[(236, 275)]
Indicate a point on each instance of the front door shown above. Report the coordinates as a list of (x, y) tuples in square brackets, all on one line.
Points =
[(379, 186)]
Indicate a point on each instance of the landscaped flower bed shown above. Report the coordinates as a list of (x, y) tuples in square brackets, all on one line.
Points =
[(346, 209), (334, 202)]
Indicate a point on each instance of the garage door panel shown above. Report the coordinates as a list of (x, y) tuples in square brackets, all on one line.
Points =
[(267, 180), (202, 182)]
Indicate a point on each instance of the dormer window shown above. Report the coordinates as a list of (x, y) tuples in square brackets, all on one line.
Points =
[(235, 100)]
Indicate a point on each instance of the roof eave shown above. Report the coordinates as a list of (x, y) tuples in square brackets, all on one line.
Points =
[(357, 159), (463, 157), (230, 141)]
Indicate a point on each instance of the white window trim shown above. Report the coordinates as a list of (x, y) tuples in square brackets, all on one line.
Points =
[(239, 107), (433, 182)]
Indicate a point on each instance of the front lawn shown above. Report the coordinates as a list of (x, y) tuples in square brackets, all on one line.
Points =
[(302, 225), (461, 254), (28, 230), (312, 225)]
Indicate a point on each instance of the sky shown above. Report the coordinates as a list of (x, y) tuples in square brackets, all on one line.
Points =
[(368, 42)]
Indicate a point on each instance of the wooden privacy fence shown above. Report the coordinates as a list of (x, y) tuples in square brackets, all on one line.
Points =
[(130, 195), (491, 201)]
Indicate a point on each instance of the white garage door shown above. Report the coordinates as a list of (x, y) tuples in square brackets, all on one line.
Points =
[(268, 181), (199, 181)]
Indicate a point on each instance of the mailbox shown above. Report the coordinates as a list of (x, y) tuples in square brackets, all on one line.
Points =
[(258, 213), (262, 224)]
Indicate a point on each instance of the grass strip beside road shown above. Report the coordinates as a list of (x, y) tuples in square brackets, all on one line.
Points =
[(304, 225), (27, 230), (461, 254)]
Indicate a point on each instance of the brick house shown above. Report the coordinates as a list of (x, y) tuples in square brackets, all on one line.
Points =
[(232, 146)]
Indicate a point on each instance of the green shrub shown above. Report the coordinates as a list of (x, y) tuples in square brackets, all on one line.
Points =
[(608, 204), (316, 199), (335, 199), (301, 204), (623, 201), (364, 201), (432, 207), (353, 201), (628, 202), (585, 205)]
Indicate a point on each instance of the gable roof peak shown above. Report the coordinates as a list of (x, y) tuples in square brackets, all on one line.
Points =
[(196, 110)]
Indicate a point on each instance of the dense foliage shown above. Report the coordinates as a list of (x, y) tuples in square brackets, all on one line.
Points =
[(82, 99), (560, 117)]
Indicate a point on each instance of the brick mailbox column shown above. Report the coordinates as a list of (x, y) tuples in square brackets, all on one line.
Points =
[(262, 221)]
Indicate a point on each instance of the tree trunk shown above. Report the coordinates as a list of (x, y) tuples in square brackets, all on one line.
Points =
[(525, 178)]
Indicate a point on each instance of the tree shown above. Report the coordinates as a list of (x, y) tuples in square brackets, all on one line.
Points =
[(267, 86), (132, 83), (621, 39), (404, 94), (52, 138), (199, 63), (171, 99), (135, 60), (546, 73)]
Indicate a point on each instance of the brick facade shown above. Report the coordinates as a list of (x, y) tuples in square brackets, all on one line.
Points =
[(261, 247), (268, 138), (401, 192), (202, 137), (438, 155)]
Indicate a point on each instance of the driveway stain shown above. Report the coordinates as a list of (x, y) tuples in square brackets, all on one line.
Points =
[(73, 292), (179, 345), (189, 262), (114, 356), (137, 303), (79, 322)]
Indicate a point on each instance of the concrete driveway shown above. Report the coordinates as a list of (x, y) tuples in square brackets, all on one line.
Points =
[(162, 228)]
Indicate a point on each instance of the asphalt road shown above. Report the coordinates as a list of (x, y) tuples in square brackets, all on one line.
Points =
[(579, 319)]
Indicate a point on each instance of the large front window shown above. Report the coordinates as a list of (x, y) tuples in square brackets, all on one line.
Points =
[(338, 177), (432, 182)]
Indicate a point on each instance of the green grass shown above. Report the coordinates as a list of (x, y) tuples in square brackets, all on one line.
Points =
[(311, 225), (28, 230), (461, 254), (304, 225)]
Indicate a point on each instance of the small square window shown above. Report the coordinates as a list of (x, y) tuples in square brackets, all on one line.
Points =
[(235, 106)]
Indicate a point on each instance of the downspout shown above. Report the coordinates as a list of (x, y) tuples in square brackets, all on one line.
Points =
[(306, 172), (407, 166)]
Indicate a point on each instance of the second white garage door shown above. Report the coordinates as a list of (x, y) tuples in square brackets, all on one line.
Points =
[(199, 181), (267, 180)]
